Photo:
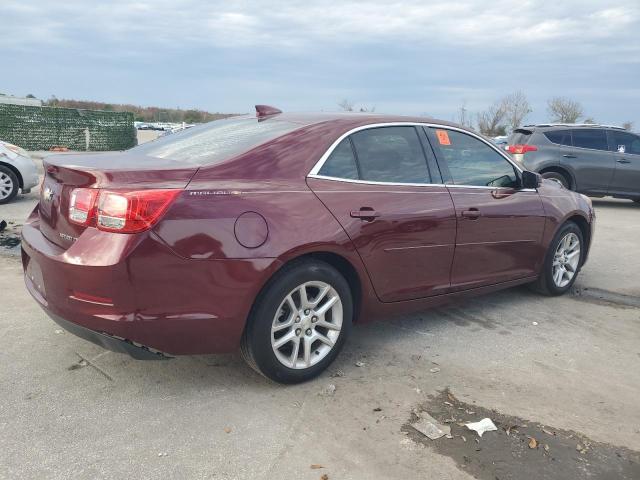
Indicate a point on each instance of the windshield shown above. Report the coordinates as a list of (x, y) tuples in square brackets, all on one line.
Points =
[(216, 141)]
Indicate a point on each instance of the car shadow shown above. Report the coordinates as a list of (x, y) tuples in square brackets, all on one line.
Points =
[(613, 203), (229, 371)]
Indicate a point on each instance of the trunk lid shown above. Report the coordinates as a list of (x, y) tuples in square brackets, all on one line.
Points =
[(114, 171)]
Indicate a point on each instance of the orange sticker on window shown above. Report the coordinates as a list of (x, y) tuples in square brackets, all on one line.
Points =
[(443, 137)]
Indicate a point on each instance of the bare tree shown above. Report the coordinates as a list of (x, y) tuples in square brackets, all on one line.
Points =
[(628, 125), (564, 110), (490, 121), (516, 109), (346, 105)]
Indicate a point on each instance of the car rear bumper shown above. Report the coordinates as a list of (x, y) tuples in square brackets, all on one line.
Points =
[(140, 297), (120, 345)]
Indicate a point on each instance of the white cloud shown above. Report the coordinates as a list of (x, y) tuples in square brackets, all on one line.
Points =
[(402, 56), (297, 24)]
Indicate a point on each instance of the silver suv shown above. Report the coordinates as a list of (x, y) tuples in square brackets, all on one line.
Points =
[(596, 160)]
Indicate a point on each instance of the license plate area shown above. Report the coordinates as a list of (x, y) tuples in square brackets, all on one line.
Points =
[(33, 272)]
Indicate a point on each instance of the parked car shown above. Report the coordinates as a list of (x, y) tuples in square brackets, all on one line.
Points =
[(501, 140), (18, 172), (596, 160), (274, 234)]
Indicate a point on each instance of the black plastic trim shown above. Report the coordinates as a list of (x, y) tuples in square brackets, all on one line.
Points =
[(107, 341)]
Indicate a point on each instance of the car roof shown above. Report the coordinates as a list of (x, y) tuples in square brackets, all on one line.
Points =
[(353, 119), (570, 125)]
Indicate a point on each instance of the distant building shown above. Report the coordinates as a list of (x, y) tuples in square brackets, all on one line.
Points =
[(11, 100)]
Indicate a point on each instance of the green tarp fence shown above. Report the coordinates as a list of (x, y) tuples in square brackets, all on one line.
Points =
[(40, 128)]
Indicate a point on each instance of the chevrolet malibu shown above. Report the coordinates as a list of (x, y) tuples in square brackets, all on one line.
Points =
[(275, 233)]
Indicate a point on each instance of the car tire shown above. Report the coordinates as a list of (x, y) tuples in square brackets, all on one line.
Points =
[(561, 255), (9, 185), (281, 319), (558, 177)]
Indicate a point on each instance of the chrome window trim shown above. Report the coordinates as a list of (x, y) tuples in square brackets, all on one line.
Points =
[(316, 168), (394, 184), (373, 182)]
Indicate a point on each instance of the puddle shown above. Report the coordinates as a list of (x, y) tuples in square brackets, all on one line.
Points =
[(510, 452)]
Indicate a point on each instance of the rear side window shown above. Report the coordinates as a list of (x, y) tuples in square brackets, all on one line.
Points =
[(391, 154), (217, 141), (624, 142), (590, 138), (559, 137), (341, 163), (471, 161)]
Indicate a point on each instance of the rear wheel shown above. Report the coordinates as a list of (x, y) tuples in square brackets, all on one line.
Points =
[(562, 261), (8, 184), (558, 177), (300, 322)]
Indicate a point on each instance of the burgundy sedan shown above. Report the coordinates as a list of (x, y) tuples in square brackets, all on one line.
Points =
[(276, 233)]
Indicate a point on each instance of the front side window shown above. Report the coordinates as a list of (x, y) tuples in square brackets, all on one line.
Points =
[(391, 154), (590, 138), (471, 161), (624, 142)]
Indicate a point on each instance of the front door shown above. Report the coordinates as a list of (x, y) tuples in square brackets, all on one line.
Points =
[(626, 178), (500, 226), (379, 186)]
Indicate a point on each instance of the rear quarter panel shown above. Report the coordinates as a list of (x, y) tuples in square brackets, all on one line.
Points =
[(202, 224)]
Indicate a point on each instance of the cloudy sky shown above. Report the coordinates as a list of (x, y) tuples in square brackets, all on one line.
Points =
[(413, 57)]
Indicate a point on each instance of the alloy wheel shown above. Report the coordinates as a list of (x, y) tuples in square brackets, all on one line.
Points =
[(6, 185), (307, 325), (566, 260)]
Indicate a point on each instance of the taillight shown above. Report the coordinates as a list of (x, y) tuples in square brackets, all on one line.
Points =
[(521, 148), (82, 205), (133, 211)]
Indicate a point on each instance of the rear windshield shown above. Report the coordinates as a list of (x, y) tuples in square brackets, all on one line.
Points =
[(216, 141), (519, 136)]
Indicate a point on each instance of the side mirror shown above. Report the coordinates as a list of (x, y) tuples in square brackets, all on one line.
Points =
[(530, 179)]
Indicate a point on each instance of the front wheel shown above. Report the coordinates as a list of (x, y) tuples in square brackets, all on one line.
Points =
[(562, 261), (300, 322)]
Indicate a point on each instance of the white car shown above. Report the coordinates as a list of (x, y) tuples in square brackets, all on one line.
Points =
[(18, 172)]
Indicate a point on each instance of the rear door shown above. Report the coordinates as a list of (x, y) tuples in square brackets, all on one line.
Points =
[(626, 152), (591, 163), (379, 185), (500, 226)]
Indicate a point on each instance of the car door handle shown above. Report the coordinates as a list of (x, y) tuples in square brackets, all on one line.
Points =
[(566, 155), (471, 214), (365, 213), (623, 160)]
